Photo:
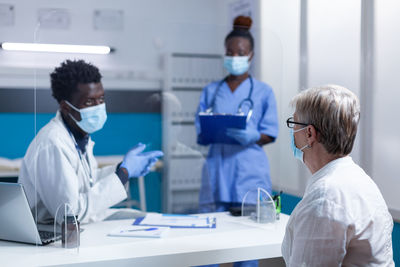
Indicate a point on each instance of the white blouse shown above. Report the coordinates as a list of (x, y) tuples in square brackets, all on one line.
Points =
[(342, 220)]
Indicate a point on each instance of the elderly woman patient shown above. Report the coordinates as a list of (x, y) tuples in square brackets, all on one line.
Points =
[(342, 219)]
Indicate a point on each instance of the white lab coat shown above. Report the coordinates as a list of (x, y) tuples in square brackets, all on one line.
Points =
[(52, 174), (342, 220)]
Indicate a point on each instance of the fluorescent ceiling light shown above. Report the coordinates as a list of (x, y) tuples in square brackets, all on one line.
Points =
[(57, 48)]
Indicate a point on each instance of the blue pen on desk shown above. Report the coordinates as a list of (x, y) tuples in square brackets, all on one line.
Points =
[(135, 230)]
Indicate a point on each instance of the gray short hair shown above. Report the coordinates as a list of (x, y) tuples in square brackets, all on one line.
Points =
[(334, 111)]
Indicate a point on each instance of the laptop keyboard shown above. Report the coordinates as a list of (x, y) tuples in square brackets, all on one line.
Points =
[(48, 237)]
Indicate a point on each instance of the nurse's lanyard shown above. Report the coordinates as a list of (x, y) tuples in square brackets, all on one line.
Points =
[(248, 99), (83, 158)]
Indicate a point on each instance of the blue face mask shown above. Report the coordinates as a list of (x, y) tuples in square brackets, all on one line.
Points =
[(236, 65), (297, 152), (92, 118)]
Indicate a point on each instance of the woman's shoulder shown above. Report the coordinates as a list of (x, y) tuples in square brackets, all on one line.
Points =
[(262, 87)]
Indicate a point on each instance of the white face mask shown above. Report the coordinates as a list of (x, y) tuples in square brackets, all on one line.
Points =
[(237, 65), (92, 118)]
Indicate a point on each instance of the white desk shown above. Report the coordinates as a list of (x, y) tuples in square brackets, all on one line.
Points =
[(232, 240)]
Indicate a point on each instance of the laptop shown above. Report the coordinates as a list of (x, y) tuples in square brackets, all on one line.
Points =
[(16, 219)]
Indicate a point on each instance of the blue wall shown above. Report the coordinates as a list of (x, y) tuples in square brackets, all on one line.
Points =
[(396, 243), (121, 132), (289, 202)]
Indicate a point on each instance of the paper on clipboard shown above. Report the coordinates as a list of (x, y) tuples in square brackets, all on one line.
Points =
[(139, 231), (213, 127), (176, 221)]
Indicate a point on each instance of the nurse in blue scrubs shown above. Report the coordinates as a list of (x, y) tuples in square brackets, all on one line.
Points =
[(231, 170)]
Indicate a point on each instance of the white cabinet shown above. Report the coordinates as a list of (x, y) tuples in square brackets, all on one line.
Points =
[(185, 76)]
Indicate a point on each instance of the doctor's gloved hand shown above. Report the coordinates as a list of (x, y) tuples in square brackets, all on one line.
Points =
[(244, 136), (139, 163)]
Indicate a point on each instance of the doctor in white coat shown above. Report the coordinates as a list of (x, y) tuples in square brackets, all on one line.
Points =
[(59, 166)]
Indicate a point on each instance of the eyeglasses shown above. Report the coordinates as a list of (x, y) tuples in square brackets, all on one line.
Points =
[(291, 123)]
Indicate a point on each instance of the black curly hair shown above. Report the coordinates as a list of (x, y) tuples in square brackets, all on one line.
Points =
[(66, 77)]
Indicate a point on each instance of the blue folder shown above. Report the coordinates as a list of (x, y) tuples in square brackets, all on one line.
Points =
[(213, 128)]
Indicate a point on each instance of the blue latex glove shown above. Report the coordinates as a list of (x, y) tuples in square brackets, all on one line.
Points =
[(139, 163), (244, 137)]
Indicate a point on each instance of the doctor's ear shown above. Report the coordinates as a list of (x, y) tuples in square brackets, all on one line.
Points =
[(64, 107)]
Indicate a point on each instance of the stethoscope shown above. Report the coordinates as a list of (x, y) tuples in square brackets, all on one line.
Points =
[(246, 100), (83, 159)]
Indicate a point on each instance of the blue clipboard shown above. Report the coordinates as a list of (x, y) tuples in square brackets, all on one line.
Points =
[(213, 128), (211, 221)]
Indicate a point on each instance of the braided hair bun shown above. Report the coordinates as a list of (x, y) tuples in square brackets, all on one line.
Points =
[(242, 23)]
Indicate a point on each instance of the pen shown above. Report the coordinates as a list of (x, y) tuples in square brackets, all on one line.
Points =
[(145, 229)]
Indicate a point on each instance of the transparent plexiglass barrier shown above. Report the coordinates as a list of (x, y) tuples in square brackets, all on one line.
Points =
[(162, 74)]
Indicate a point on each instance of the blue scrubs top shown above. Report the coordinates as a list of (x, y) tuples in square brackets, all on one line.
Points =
[(230, 171)]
